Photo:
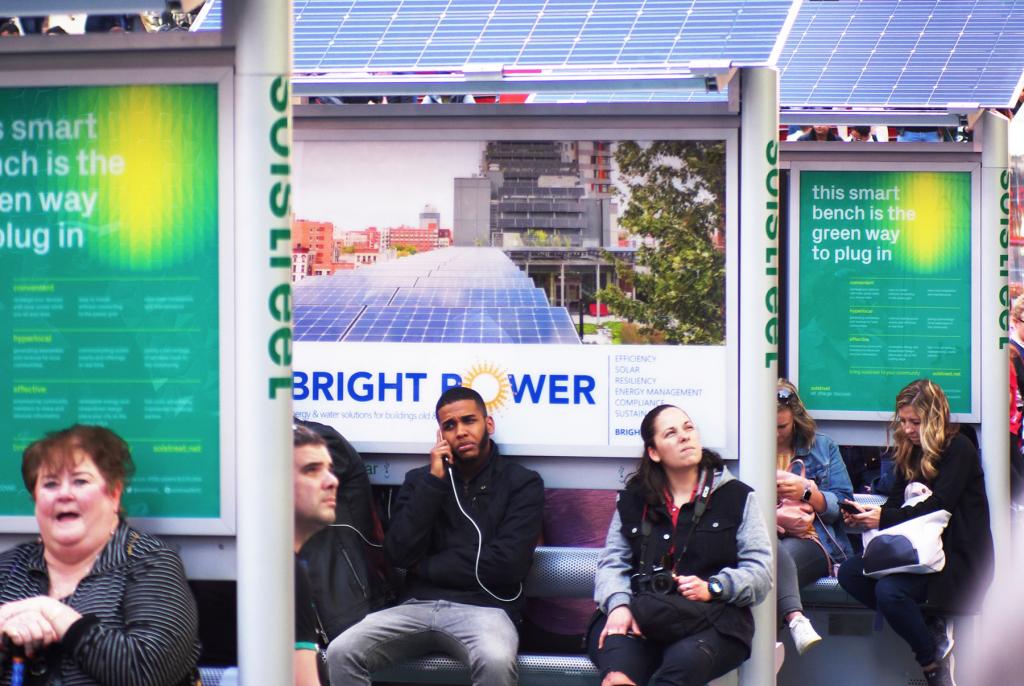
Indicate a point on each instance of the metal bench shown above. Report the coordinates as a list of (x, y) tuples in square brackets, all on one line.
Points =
[(826, 593), (562, 572), (557, 572)]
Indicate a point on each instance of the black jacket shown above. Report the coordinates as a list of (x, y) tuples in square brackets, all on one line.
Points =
[(712, 547), (438, 545), (967, 540), (348, 578)]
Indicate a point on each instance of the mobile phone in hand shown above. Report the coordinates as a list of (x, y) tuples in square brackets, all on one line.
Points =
[(850, 508)]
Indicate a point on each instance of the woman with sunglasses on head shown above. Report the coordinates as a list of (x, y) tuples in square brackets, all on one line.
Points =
[(688, 538), (929, 450), (825, 483)]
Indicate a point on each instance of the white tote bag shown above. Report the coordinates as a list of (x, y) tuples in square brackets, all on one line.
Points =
[(911, 547)]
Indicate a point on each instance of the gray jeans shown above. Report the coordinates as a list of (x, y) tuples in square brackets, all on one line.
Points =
[(800, 561), (482, 638)]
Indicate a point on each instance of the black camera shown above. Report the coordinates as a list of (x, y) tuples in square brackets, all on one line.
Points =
[(660, 580)]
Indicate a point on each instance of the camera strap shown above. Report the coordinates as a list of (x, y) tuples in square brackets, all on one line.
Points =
[(698, 511)]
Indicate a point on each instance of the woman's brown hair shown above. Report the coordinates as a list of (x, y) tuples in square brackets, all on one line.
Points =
[(58, 451)]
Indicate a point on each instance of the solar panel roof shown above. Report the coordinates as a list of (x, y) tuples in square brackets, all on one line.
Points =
[(875, 53), (476, 282), (470, 295), (411, 324), (330, 292), (367, 280), (631, 96), (432, 34), (325, 322), (904, 53)]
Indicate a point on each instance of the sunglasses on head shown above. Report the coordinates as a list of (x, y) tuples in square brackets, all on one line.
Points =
[(785, 396)]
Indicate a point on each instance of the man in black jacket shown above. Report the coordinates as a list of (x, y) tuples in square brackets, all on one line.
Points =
[(464, 527), (315, 492), (345, 573)]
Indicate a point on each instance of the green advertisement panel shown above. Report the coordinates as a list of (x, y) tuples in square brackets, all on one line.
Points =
[(884, 286), (108, 283)]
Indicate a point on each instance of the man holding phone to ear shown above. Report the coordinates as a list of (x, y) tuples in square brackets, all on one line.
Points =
[(464, 527)]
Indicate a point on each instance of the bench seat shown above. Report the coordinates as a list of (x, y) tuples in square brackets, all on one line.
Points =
[(564, 572), (537, 670)]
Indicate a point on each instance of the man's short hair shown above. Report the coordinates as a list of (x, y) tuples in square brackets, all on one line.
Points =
[(457, 393), (301, 437)]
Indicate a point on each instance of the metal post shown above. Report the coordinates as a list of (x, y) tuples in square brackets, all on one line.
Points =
[(597, 295), (758, 324), (561, 280), (995, 302), (261, 33)]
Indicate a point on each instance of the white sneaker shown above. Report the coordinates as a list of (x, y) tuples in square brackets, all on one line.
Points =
[(804, 635)]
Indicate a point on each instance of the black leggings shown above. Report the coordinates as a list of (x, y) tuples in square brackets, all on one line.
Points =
[(691, 661)]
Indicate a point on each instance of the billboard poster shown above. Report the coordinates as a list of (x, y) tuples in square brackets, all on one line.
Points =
[(109, 282), (575, 284), (885, 274), (546, 399)]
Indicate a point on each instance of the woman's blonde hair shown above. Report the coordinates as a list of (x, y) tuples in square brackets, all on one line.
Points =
[(1017, 308), (929, 402), (804, 427)]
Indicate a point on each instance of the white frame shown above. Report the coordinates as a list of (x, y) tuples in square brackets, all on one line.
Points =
[(793, 269), (710, 122), (223, 78)]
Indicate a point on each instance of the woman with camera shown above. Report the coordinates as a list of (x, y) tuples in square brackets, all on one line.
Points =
[(929, 451), (93, 601), (686, 556), (807, 547)]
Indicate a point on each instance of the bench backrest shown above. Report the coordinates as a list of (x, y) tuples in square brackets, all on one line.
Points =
[(560, 572)]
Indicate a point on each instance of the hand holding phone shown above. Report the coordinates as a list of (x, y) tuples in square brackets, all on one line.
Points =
[(850, 507), (440, 456)]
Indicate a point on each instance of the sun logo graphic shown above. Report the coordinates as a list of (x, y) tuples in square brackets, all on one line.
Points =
[(491, 382)]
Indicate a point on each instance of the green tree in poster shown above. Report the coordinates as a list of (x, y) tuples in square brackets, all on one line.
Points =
[(674, 193)]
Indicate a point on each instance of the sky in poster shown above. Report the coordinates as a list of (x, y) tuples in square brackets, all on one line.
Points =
[(392, 181)]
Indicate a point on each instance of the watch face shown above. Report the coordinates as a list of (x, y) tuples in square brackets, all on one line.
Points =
[(715, 587)]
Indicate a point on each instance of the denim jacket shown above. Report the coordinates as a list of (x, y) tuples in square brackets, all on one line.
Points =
[(826, 468)]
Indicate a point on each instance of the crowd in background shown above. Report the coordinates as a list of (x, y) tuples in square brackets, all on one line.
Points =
[(878, 134), (64, 24)]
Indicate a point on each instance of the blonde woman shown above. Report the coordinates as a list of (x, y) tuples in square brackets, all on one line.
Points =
[(824, 485), (931, 451)]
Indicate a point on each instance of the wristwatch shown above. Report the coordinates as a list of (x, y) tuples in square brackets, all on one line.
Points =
[(715, 587), (806, 497)]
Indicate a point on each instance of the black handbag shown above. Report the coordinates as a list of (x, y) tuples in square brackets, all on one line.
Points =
[(669, 617)]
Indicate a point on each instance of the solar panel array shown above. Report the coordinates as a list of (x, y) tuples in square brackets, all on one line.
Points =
[(904, 53), (471, 297), (878, 53), (403, 324), (630, 96), (437, 34), (453, 295), (324, 322)]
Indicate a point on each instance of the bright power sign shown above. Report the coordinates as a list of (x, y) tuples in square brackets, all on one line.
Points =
[(546, 399)]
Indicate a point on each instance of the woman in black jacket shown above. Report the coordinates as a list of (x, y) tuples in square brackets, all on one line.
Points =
[(930, 451), (683, 526)]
